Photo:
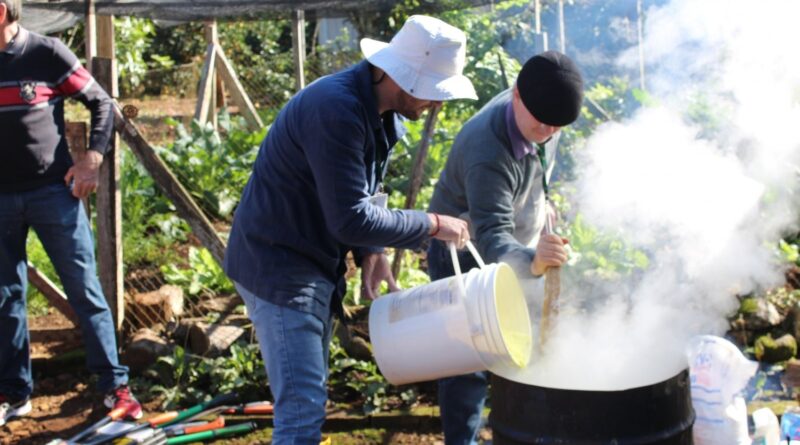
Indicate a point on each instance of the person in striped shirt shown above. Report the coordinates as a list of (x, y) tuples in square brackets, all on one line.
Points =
[(41, 188)]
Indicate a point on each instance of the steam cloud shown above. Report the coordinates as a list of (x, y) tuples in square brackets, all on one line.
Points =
[(706, 204)]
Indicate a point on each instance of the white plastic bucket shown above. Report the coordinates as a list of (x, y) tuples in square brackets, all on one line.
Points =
[(452, 326)]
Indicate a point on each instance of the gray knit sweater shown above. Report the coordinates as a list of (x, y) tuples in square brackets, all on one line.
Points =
[(484, 183)]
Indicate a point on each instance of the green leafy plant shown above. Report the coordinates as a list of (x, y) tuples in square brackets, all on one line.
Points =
[(134, 52), (37, 303), (183, 379), (360, 383), (134, 36), (150, 227), (789, 252), (604, 254), (202, 274), (214, 169), (261, 54)]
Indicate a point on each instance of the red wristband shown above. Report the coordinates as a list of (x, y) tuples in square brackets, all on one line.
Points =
[(438, 226)]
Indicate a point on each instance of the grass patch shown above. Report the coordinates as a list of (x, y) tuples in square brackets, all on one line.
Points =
[(37, 303)]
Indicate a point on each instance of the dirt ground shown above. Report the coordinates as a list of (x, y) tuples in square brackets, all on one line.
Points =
[(64, 402)]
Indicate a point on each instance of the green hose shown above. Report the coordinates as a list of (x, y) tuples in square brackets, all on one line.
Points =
[(187, 413)]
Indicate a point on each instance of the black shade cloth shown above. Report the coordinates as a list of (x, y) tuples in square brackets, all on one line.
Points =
[(47, 17), (47, 22)]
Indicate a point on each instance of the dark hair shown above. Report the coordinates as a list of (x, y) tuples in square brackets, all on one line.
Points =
[(13, 8)]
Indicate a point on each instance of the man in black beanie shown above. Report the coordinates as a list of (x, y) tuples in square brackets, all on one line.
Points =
[(496, 178)]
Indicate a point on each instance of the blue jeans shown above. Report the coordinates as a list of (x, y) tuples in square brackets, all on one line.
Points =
[(295, 347), (60, 221), (461, 398)]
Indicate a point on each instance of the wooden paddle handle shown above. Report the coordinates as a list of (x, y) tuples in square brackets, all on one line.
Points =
[(552, 289)]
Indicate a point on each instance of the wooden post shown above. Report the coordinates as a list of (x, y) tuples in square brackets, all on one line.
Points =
[(109, 198), (204, 107), (299, 48), (222, 101), (539, 37), (170, 186), (212, 38), (639, 34), (90, 31), (238, 95), (503, 74), (53, 294), (417, 175), (562, 34), (77, 135)]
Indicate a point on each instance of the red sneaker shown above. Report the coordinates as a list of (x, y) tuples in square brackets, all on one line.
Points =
[(122, 398), (10, 409)]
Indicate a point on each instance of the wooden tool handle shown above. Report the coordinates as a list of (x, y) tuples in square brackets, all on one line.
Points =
[(552, 289)]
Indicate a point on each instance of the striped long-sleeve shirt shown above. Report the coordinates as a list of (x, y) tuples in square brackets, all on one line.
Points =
[(36, 74)]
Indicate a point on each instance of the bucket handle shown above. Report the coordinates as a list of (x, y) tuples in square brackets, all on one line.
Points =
[(472, 317)]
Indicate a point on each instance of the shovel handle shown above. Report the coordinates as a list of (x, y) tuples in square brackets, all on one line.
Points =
[(162, 418), (252, 408), (217, 423)]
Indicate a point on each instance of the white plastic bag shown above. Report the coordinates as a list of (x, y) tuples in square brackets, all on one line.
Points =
[(718, 372)]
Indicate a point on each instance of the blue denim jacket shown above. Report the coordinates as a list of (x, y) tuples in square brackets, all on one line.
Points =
[(307, 202)]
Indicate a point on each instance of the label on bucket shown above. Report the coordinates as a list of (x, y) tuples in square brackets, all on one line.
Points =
[(423, 300)]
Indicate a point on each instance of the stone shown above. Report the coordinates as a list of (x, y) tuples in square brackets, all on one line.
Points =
[(143, 349), (760, 314), (212, 339)]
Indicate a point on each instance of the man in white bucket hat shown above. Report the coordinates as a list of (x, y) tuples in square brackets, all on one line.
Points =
[(425, 59), (496, 177), (314, 196)]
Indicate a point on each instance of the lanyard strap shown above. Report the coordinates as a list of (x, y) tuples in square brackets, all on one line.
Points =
[(543, 160)]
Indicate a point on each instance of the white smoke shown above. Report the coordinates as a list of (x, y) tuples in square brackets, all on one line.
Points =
[(706, 205)]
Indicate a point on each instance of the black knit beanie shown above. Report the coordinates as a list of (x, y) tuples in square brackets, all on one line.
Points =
[(551, 88)]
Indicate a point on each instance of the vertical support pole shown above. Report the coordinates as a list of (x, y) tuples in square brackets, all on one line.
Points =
[(238, 94), (109, 206), (212, 38), (639, 26), (77, 134), (204, 107), (562, 33), (90, 39), (222, 100), (539, 37), (299, 47), (417, 175)]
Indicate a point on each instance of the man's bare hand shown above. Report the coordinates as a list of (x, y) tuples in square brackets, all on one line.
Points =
[(375, 270), (449, 229), (85, 174), (550, 252)]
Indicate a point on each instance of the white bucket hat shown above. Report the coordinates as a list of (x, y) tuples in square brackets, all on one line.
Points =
[(425, 58)]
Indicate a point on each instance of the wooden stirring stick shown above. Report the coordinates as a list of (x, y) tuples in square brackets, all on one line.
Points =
[(552, 289)]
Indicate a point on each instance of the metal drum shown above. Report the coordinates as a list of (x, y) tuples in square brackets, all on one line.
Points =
[(657, 414)]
